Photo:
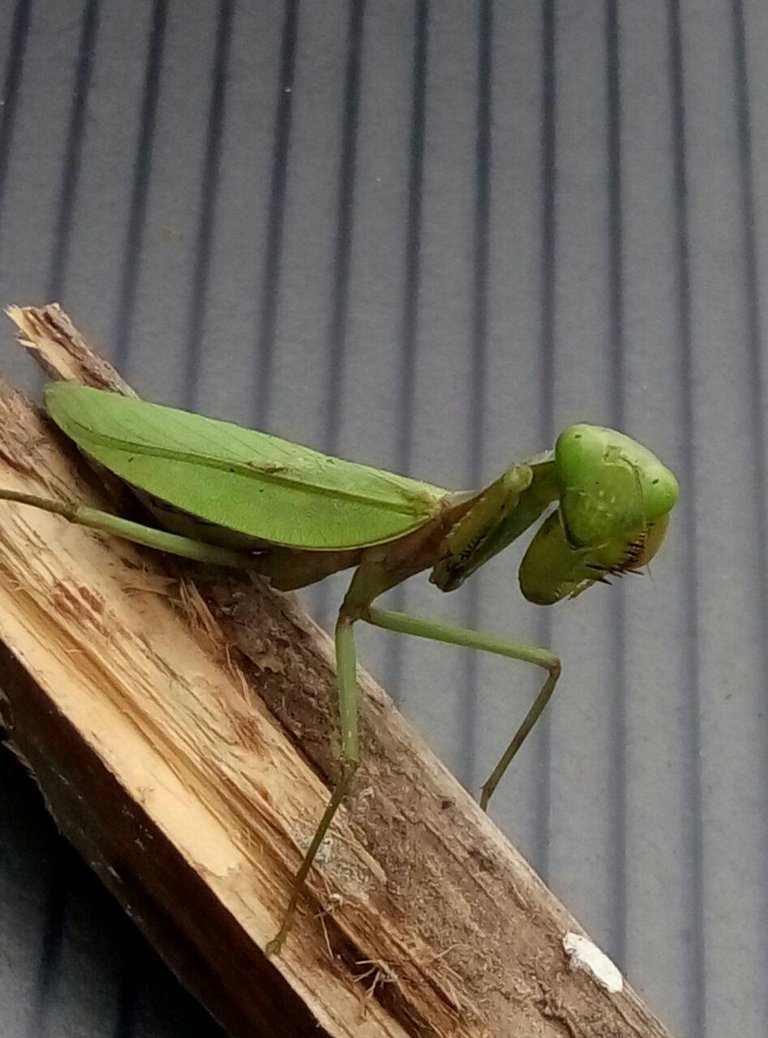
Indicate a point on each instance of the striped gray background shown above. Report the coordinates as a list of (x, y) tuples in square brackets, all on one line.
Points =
[(428, 235)]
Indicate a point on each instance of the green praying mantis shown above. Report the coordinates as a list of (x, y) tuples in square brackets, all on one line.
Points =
[(236, 497)]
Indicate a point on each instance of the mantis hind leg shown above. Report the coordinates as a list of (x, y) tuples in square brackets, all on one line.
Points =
[(346, 676), (452, 635), (137, 533)]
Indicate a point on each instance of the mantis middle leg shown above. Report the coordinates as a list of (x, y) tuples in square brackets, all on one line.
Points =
[(463, 636), (357, 606)]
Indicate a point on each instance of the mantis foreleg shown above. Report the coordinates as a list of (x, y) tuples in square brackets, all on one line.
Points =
[(441, 632)]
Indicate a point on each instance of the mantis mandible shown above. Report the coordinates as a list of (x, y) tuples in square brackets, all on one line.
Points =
[(296, 516)]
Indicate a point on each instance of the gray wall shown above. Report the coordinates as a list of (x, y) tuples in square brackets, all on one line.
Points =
[(427, 236)]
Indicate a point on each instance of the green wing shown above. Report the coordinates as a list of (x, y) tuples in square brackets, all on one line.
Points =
[(239, 479)]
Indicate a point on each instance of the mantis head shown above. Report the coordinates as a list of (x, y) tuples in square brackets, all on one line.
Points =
[(615, 497)]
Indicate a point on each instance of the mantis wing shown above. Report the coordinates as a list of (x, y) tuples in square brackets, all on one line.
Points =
[(239, 479)]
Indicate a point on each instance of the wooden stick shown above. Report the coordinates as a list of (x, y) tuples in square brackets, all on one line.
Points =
[(181, 723)]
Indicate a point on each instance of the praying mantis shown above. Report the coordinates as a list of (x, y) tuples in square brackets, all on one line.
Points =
[(231, 496)]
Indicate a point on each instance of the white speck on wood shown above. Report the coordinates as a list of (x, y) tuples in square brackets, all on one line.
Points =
[(585, 955)]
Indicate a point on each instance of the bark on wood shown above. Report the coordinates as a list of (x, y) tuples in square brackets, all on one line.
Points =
[(181, 724)]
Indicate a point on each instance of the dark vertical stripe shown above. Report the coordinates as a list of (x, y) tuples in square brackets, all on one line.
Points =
[(134, 953), (337, 327), (409, 332), (268, 293), (14, 67), (755, 390), (209, 187), (60, 864), (691, 750), (468, 704), (617, 705), (142, 166), (412, 273), (615, 216), (548, 220), (61, 867), (337, 331), (73, 151), (547, 376), (134, 240)]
